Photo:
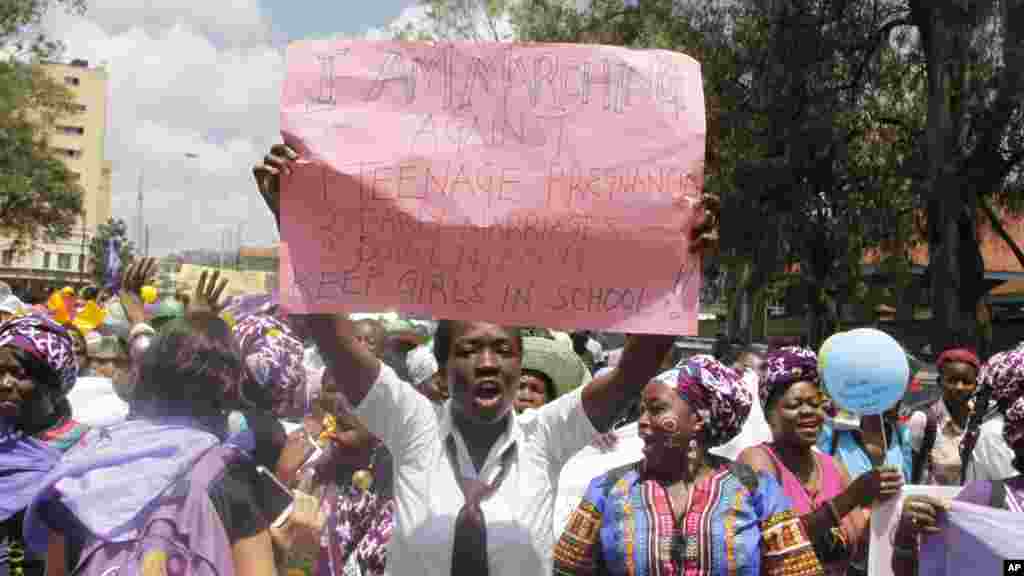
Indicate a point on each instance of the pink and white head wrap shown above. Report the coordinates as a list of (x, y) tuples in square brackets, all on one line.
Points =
[(1004, 375), (48, 342)]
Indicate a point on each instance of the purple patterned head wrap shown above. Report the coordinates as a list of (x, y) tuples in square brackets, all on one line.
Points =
[(1013, 427), (273, 357), (786, 366), (716, 392), (241, 307), (46, 341), (1003, 374)]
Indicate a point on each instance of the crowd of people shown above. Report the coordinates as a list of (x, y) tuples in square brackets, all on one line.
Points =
[(154, 434)]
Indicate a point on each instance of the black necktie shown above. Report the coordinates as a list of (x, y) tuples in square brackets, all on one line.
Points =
[(469, 551)]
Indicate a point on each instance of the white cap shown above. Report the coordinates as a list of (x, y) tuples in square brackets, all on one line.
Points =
[(596, 350), (421, 363), (11, 304)]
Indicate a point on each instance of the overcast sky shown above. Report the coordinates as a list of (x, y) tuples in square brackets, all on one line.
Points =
[(201, 77)]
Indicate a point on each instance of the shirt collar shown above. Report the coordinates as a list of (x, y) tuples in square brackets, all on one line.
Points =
[(513, 432), (945, 419)]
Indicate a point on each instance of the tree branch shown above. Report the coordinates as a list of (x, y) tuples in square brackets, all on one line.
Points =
[(997, 225), (879, 36)]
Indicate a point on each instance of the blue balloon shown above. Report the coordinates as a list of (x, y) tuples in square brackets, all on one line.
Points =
[(865, 370)]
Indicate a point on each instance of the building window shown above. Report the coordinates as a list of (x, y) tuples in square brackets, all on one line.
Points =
[(81, 263), (64, 261), (80, 108), (8, 258), (72, 80), (46, 260), (71, 130)]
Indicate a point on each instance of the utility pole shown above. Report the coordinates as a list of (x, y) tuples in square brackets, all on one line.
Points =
[(146, 248), (238, 252), (138, 216)]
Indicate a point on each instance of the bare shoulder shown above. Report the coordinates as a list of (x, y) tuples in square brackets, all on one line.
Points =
[(757, 458)]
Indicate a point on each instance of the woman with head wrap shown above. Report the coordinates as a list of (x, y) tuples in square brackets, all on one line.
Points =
[(424, 375), (184, 384), (983, 449), (1004, 375), (273, 358), (550, 369), (937, 431), (37, 370), (681, 509), (830, 506)]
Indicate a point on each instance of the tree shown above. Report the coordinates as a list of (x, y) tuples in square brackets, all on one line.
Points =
[(974, 56), (798, 95), (20, 26), (99, 248), (39, 197), (798, 148), (482, 20)]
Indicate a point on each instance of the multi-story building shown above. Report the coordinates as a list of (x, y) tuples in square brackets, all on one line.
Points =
[(79, 141)]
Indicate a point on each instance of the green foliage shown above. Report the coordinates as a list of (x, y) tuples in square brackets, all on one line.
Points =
[(39, 198), (482, 20), (20, 26), (814, 114), (973, 142), (99, 247)]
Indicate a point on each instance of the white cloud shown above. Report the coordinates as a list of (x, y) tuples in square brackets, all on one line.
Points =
[(414, 16), (225, 21), (177, 87), (192, 76)]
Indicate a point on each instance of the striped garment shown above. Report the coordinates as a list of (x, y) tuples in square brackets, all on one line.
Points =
[(64, 435), (625, 526)]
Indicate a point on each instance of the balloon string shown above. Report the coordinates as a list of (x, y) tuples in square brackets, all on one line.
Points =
[(885, 442)]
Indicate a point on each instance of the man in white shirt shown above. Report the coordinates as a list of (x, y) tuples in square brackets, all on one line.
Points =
[(482, 367)]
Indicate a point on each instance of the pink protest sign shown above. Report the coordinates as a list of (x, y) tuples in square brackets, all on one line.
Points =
[(550, 185)]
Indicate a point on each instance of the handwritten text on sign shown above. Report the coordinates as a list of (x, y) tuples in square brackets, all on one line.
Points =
[(548, 185)]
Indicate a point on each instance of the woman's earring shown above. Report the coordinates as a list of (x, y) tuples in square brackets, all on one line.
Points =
[(693, 444)]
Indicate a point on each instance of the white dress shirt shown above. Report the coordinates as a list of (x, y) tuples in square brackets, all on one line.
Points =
[(992, 458), (427, 496)]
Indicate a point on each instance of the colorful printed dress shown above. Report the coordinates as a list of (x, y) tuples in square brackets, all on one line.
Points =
[(738, 523), (357, 532), (853, 526)]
